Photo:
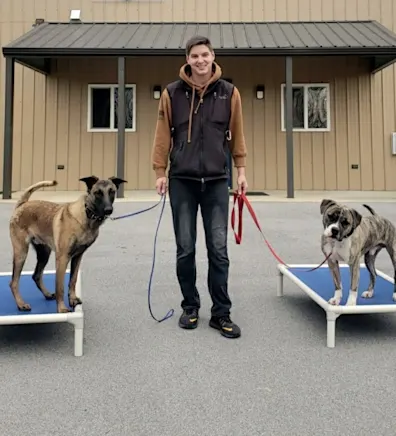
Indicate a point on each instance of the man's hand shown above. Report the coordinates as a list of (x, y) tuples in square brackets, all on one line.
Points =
[(241, 181), (242, 184), (161, 185)]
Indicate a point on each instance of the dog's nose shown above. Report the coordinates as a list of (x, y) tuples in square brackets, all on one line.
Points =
[(108, 210), (334, 231)]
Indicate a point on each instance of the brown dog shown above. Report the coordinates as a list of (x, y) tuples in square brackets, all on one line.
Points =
[(67, 229)]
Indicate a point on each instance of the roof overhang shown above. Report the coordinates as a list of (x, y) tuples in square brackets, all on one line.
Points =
[(36, 63), (47, 41)]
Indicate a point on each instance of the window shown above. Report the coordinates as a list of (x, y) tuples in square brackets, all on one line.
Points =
[(103, 107), (311, 111)]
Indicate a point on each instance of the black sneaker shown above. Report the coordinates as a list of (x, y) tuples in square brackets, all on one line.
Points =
[(189, 319), (226, 326)]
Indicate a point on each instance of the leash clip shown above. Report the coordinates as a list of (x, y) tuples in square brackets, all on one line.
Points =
[(228, 135)]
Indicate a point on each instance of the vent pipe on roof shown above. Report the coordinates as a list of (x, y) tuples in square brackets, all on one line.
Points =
[(38, 21)]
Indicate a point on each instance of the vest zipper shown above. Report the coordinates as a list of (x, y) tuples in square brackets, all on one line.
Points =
[(201, 151)]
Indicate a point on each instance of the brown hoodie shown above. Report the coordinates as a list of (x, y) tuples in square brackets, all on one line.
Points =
[(162, 138)]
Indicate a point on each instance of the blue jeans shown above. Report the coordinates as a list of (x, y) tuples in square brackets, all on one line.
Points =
[(213, 199)]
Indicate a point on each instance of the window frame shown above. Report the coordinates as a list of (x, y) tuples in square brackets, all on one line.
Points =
[(112, 87), (305, 86)]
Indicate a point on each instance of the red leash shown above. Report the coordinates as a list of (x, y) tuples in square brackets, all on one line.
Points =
[(242, 200)]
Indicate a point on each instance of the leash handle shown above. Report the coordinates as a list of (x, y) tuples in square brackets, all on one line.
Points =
[(163, 200), (171, 311), (242, 200), (237, 236)]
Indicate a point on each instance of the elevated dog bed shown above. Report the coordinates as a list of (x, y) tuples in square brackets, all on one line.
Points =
[(318, 285), (42, 310)]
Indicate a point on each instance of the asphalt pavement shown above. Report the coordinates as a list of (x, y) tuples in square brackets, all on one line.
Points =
[(138, 377)]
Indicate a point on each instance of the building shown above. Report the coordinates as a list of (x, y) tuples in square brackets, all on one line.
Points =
[(60, 120)]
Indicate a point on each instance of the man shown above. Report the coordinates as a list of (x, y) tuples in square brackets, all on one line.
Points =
[(200, 115)]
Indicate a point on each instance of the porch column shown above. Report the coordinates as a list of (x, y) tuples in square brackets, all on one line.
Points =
[(8, 127), (121, 125), (289, 127)]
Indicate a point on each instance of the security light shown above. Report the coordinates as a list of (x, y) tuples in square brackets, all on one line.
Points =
[(75, 14), (157, 92), (260, 92)]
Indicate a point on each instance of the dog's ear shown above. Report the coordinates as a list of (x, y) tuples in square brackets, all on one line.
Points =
[(89, 181), (357, 218), (117, 181), (325, 204)]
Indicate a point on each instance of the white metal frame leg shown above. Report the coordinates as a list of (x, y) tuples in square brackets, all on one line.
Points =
[(279, 288), (331, 328), (78, 336), (78, 321)]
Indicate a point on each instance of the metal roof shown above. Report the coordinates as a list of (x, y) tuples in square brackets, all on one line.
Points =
[(69, 37), (228, 38)]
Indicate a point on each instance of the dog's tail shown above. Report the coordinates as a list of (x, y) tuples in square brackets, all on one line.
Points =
[(370, 209), (29, 191)]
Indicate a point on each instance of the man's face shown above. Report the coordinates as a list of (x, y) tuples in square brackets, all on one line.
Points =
[(201, 60)]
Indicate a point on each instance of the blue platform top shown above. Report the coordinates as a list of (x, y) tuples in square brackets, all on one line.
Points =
[(321, 282), (31, 294)]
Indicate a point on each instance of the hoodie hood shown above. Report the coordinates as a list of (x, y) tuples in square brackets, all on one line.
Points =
[(185, 75)]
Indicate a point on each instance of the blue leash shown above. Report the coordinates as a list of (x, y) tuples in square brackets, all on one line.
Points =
[(139, 211), (163, 198)]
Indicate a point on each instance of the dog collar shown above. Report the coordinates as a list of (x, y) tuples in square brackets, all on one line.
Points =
[(349, 234), (91, 216)]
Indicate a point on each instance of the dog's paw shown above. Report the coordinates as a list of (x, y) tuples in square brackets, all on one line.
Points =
[(368, 294), (49, 296), (25, 307), (335, 301), (63, 309), (351, 300), (74, 301)]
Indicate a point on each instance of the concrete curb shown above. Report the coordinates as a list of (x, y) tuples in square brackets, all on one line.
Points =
[(150, 196), (251, 199)]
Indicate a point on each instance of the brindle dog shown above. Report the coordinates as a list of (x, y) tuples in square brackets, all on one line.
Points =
[(68, 229), (348, 236)]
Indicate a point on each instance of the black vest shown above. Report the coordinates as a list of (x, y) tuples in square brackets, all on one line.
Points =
[(205, 156)]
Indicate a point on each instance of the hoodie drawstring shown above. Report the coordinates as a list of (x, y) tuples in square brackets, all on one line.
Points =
[(190, 116), (196, 109)]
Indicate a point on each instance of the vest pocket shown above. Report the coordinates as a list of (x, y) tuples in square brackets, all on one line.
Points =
[(176, 149), (214, 157), (184, 160), (220, 111)]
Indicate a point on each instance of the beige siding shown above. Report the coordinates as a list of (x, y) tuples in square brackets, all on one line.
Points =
[(50, 115)]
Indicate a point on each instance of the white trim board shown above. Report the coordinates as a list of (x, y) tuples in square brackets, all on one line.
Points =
[(305, 86), (112, 86)]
